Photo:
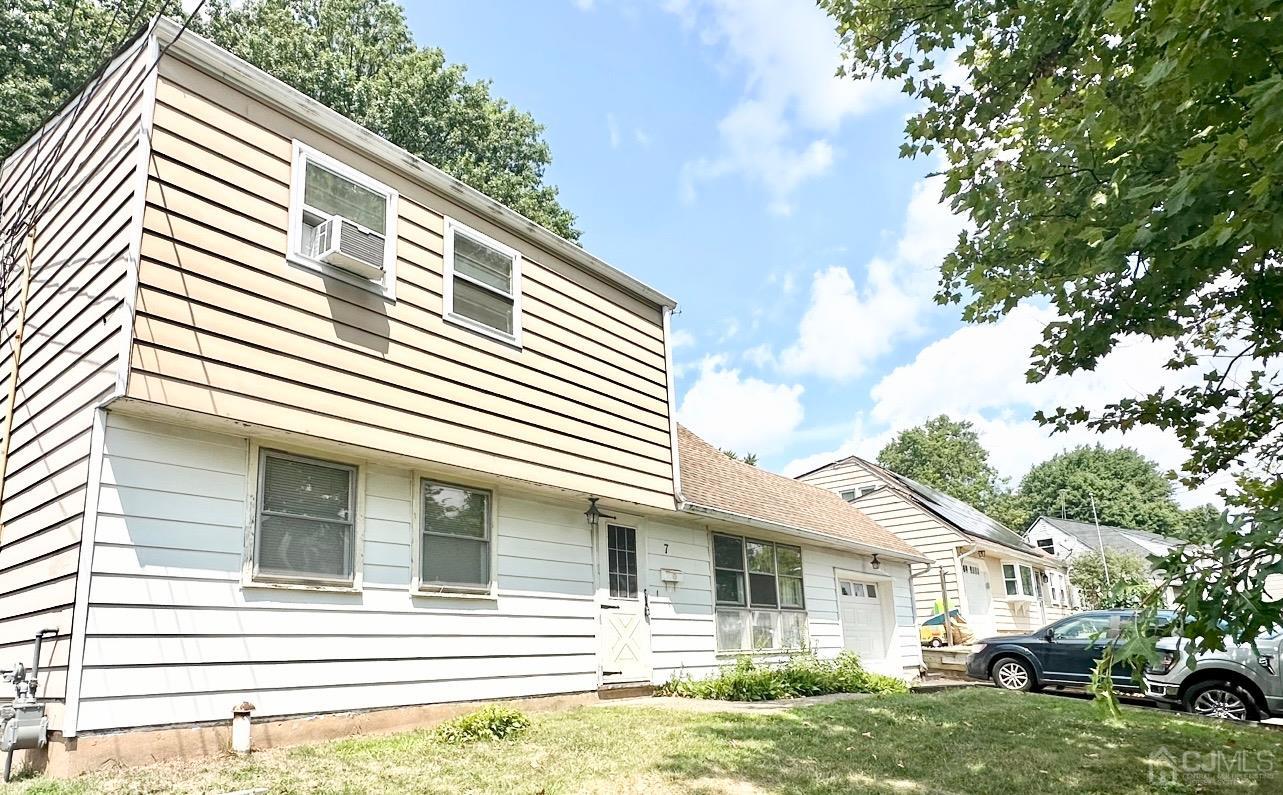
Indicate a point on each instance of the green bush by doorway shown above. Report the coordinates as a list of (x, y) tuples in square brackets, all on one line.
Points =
[(803, 675)]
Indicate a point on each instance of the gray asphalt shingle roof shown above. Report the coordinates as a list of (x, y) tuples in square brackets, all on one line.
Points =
[(1119, 539)]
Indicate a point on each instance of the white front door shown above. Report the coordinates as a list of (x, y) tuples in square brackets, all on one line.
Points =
[(624, 629), (864, 627), (975, 584)]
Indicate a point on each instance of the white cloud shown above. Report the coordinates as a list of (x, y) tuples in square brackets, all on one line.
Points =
[(847, 326), (977, 373), (681, 338), (585, 5), (642, 138), (778, 135), (612, 129), (741, 414)]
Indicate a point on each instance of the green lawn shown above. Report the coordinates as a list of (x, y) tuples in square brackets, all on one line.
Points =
[(963, 741)]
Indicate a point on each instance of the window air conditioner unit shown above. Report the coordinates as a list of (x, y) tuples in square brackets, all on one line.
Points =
[(349, 246)]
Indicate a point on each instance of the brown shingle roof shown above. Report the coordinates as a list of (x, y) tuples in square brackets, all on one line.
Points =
[(712, 479)]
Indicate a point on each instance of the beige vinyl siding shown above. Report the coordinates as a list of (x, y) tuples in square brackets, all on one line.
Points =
[(225, 326), (924, 532), (71, 352), (820, 570), (173, 637)]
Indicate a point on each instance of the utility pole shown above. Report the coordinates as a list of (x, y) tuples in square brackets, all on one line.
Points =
[(944, 597), (1099, 540)]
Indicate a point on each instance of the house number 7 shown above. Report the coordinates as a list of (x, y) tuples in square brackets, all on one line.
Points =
[(665, 549)]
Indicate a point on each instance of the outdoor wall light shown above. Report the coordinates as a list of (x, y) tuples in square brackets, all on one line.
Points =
[(594, 514), (875, 563)]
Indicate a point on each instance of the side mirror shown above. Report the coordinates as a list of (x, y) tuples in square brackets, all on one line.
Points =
[(1051, 635)]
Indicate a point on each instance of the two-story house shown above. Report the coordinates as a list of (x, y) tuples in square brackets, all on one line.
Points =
[(999, 582), (299, 420)]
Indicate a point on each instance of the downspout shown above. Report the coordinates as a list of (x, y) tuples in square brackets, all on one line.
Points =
[(18, 333), (679, 501)]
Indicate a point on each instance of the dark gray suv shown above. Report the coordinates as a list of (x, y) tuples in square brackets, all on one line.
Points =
[(1239, 683)]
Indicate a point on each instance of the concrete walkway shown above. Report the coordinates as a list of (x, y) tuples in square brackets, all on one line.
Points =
[(710, 705)]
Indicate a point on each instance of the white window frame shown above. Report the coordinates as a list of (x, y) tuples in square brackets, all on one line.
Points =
[(1020, 589), (452, 227), (454, 591), (302, 153), (747, 608), (250, 578)]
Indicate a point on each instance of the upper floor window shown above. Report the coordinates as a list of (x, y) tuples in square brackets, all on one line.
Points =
[(1047, 545), (342, 222), (482, 283), (305, 529), (852, 495), (455, 538)]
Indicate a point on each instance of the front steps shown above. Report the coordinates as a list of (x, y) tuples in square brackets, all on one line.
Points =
[(625, 690)]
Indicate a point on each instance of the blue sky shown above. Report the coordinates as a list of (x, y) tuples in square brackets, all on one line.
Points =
[(708, 149)]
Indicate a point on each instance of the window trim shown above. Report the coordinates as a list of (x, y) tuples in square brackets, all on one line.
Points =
[(746, 606), (418, 587), (1020, 592), (452, 227), (302, 153), (250, 576)]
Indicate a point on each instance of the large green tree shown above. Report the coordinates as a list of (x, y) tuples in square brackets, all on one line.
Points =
[(946, 454), (1116, 580), (48, 49), (356, 56), (1121, 160), (1128, 490)]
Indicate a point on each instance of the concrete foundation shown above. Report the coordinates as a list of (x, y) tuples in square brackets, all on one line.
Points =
[(69, 757)]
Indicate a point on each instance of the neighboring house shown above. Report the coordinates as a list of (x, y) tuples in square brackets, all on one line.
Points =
[(1065, 539), (304, 422), (1001, 583)]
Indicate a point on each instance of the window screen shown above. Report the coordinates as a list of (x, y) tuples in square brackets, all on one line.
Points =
[(305, 528), (455, 548)]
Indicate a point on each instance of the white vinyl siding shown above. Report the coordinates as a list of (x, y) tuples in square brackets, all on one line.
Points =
[(455, 543), (173, 636), (305, 520)]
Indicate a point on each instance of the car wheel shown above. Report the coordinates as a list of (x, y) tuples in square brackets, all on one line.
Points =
[(1010, 673), (1220, 698), (936, 643)]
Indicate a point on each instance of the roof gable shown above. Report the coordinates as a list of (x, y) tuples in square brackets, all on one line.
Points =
[(1119, 539), (955, 513)]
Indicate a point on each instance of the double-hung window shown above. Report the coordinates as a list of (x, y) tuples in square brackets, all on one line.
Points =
[(454, 538), (305, 530), (1018, 579), (342, 222), (482, 283), (760, 601)]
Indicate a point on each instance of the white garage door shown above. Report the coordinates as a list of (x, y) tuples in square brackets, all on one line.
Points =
[(864, 628)]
